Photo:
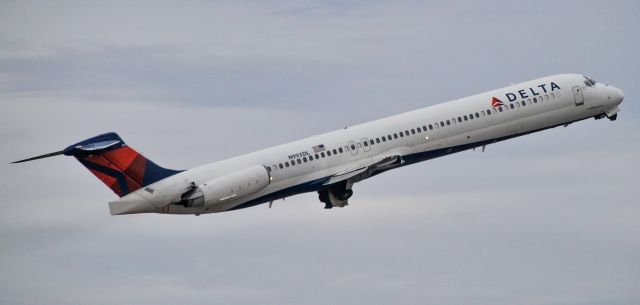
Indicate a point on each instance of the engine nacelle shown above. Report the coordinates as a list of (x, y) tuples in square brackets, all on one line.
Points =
[(227, 188)]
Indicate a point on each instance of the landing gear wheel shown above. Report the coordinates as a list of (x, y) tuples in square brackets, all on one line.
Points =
[(324, 197), (345, 195)]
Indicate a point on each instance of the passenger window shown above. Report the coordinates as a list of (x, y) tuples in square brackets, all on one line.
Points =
[(286, 164), (517, 105), (413, 131), (459, 120), (511, 106), (371, 142), (546, 97), (471, 116), (280, 166), (377, 140), (335, 152), (389, 137), (424, 128), (339, 150), (448, 122), (317, 157), (365, 143), (401, 134), (384, 139), (524, 103), (466, 118), (395, 135), (436, 126), (322, 154), (299, 161), (420, 130), (328, 152), (535, 100), (304, 159), (477, 115), (430, 127), (499, 109)]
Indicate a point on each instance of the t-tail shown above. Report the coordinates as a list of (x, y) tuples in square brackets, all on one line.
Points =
[(117, 165)]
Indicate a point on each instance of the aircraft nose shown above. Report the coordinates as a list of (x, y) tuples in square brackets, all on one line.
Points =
[(617, 95)]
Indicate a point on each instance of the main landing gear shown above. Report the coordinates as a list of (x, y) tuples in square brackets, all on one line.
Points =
[(336, 195)]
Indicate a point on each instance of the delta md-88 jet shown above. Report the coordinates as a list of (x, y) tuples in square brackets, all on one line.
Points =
[(332, 163)]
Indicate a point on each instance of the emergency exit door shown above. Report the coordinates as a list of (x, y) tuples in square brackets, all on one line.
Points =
[(577, 95)]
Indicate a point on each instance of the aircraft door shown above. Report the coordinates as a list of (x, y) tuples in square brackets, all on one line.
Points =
[(353, 147), (365, 144), (577, 95)]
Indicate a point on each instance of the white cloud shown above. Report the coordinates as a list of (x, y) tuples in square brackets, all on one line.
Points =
[(543, 219)]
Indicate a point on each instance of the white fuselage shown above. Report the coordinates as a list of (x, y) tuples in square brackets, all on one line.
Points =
[(414, 136)]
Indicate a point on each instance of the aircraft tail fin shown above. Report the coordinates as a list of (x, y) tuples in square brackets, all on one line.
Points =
[(117, 165)]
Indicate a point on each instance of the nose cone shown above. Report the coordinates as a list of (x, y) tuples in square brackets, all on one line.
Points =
[(617, 95)]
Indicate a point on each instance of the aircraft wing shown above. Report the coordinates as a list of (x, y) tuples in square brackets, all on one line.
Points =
[(365, 170)]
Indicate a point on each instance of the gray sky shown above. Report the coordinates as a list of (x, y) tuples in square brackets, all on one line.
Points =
[(551, 218)]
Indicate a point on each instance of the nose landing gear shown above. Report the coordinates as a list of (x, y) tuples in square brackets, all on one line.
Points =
[(612, 114)]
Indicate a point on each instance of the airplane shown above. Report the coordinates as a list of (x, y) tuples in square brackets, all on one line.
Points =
[(331, 163)]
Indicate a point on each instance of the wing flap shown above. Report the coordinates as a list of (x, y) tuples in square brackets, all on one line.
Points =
[(363, 171)]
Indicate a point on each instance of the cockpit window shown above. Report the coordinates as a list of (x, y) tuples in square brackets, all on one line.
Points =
[(588, 81)]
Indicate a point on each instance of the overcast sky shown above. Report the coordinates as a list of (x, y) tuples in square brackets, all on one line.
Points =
[(550, 218)]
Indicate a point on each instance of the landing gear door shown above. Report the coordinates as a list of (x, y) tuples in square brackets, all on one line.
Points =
[(577, 95)]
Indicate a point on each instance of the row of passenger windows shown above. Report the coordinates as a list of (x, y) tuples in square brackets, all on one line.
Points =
[(490, 111), (419, 129), (323, 154)]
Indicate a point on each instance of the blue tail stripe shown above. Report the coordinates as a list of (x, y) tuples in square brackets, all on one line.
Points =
[(110, 172)]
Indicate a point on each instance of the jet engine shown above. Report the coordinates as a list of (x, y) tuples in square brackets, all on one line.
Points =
[(227, 188)]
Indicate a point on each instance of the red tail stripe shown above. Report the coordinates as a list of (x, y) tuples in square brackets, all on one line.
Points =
[(129, 162), (121, 157), (133, 175), (108, 180), (137, 169)]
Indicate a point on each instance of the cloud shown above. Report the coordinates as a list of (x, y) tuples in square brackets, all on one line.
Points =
[(542, 219)]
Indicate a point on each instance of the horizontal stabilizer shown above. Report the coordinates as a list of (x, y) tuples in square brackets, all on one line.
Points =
[(40, 157)]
